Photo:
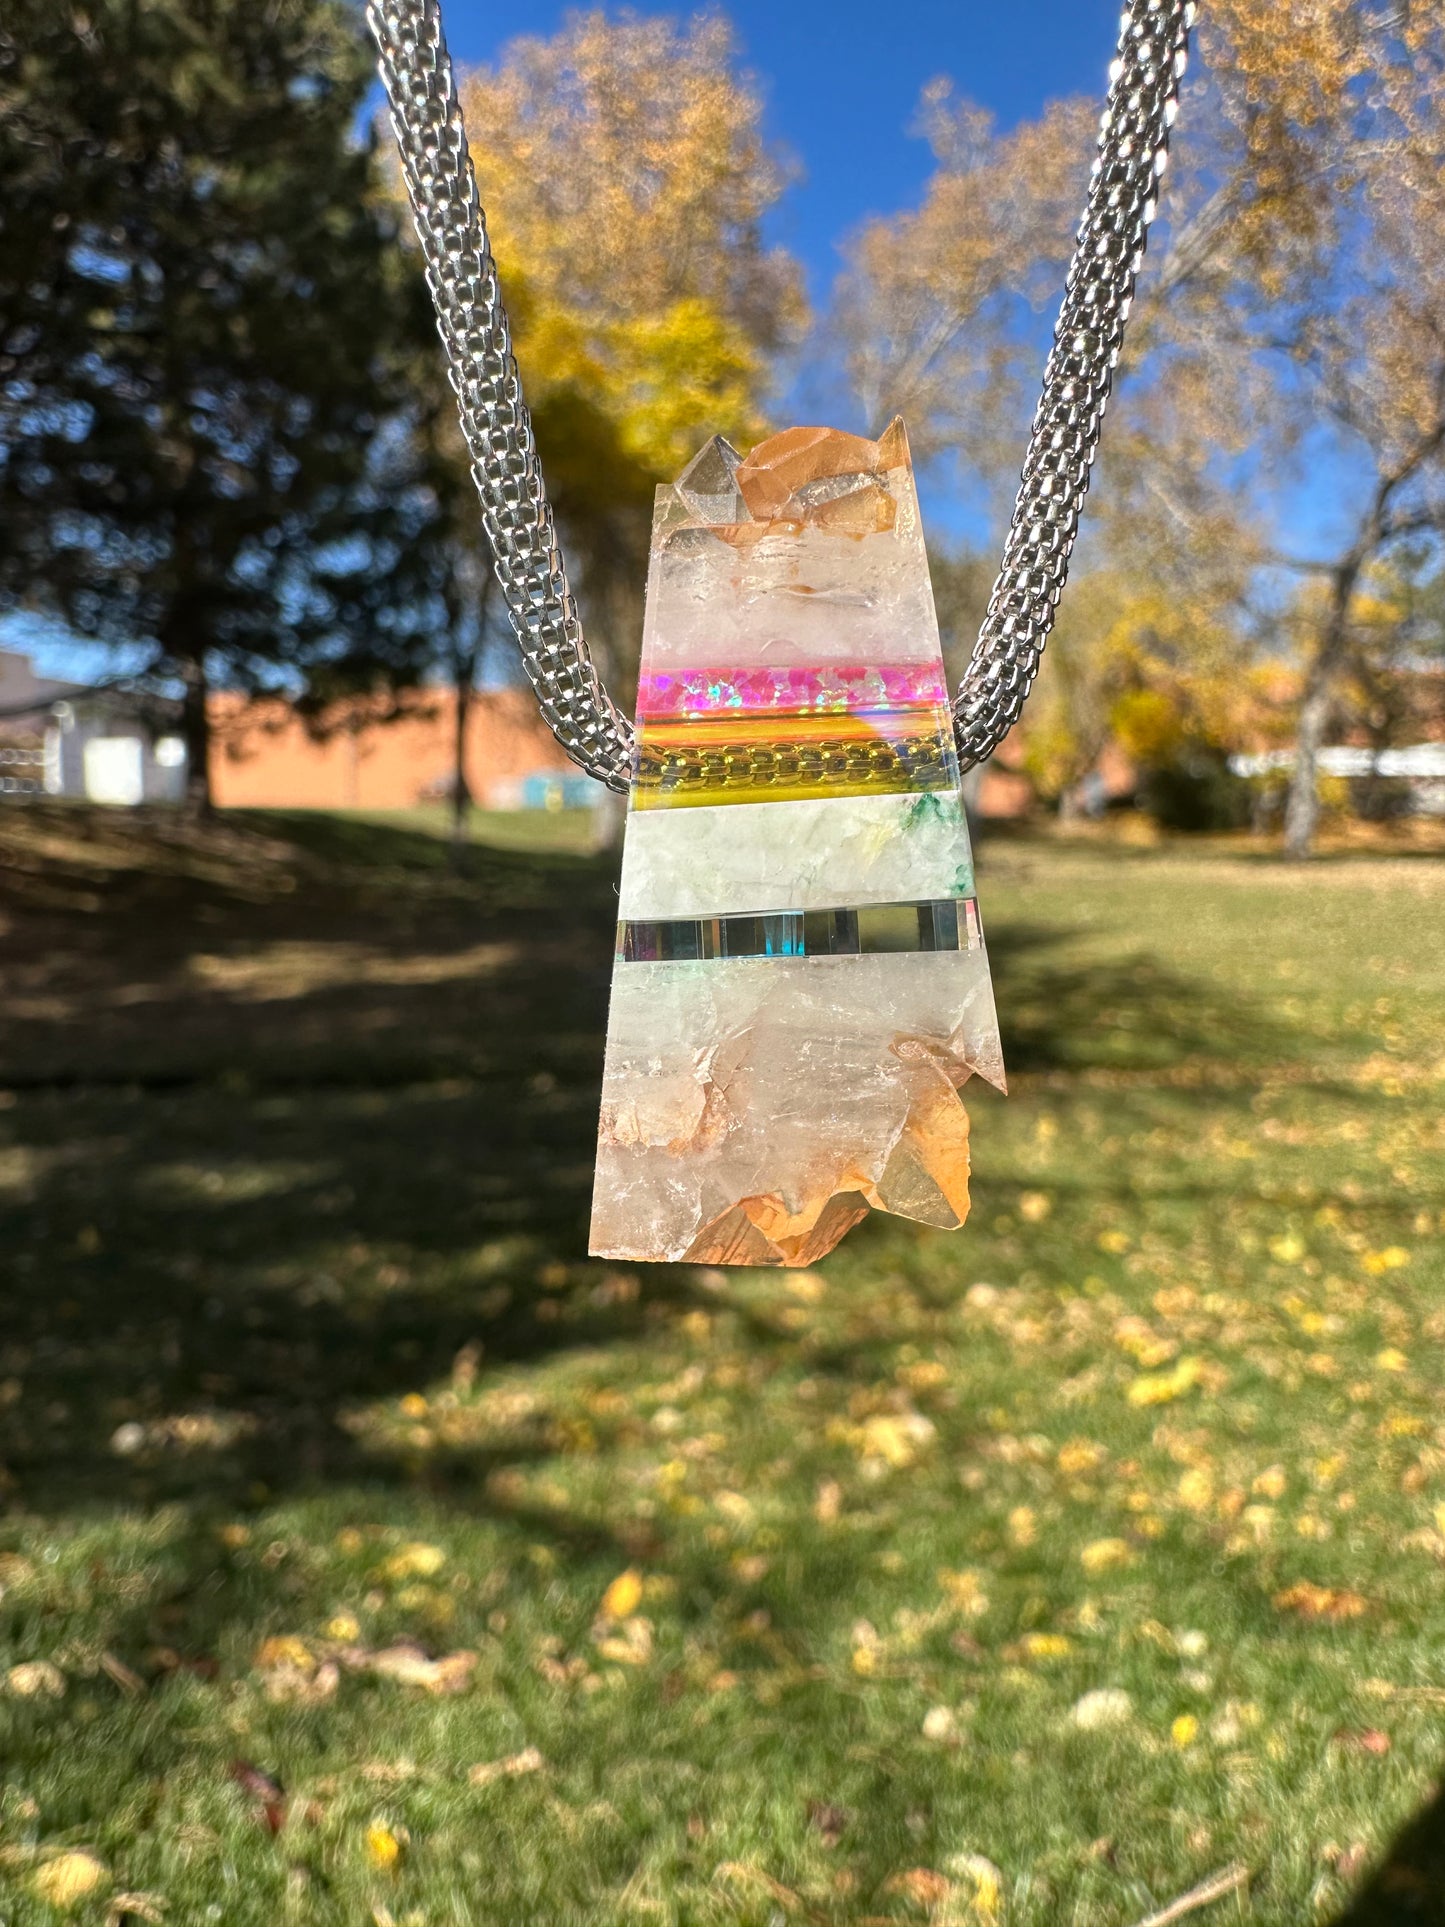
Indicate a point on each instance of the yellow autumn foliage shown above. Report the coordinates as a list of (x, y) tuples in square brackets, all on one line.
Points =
[(624, 173)]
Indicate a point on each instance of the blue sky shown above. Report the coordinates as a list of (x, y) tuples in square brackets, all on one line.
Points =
[(842, 80)]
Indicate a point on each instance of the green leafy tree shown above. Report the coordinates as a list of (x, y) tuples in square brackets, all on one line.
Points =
[(201, 315)]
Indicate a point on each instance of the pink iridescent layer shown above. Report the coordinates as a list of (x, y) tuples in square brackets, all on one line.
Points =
[(838, 687)]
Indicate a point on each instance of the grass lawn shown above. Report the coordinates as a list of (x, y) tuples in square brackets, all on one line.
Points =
[(368, 1555)]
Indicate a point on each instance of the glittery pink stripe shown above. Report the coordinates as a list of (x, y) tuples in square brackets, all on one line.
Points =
[(839, 687)]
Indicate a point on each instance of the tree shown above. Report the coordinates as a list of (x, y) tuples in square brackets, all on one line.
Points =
[(942, 316), (437, 624), (1290, 323), (1295, 326), (468, 604), (198, 316), (933, 315), (625, 177), (1133, 664)]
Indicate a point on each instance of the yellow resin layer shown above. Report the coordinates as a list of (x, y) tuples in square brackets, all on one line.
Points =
[(717, 760)]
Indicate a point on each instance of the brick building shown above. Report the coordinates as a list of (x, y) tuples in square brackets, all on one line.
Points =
[(366, 756)]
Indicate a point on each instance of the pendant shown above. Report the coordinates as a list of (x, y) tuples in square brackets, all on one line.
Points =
[(800, 985)]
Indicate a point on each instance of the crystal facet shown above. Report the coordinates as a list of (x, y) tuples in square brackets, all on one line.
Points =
[(708, 485), (801, 985)]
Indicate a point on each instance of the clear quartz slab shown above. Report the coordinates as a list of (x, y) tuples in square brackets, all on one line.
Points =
[(801, 986)]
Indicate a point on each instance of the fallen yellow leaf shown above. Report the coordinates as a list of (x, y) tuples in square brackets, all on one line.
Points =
[(965, 1592), (529, 1760), (1321, 1602), (897, 1439), (1023, 1526), (409, 1666), (1390, 1259), (1105, 1706), (383, 1846), (1105, 1555), (829, 1502), (940, 1724), (623, 1596), (415, 1561), (36, 1679), (284, 1651), (1196, 1488), (69, 1878), (1159, 1388), (1080, 1455), (1045, 1646), (631, 1645), (986, 1881)]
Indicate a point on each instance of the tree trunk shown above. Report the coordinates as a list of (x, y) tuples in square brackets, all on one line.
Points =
[(196, 731), (468, 605), (1302, 806), (461, 788), (971, 783), (609, 819)]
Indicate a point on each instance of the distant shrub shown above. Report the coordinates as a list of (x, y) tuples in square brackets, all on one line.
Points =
[(1196, 791), (1381, 799)]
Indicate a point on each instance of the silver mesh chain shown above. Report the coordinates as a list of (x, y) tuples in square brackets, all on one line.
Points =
[(416, 71), (1089, 333)]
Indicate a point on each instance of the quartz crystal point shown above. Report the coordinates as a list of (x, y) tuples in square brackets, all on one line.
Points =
[(800, 986)]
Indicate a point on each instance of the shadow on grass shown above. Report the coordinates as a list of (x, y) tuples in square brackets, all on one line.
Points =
[(1409, 1885), (302, 1111), (1057, 1013)]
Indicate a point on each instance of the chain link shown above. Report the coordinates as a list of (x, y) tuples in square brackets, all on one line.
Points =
[(1089, 333), (416, 71)]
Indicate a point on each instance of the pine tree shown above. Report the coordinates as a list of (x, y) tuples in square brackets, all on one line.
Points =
[(201, 319)]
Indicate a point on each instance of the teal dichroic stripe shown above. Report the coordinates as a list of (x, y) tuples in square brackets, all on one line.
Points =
[(870, 930)]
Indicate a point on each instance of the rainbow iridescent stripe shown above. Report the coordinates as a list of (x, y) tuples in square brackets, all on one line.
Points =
[(750, 735)]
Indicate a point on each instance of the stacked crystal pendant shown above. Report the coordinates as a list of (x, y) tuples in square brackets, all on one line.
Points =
[(800, 986)]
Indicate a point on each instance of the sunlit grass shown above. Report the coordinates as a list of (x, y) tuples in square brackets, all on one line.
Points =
[(372, 1555)]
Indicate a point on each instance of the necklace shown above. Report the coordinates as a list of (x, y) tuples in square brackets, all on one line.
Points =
[(800, 985)]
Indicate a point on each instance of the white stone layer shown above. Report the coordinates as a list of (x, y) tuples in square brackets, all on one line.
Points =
[(825, 853)]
